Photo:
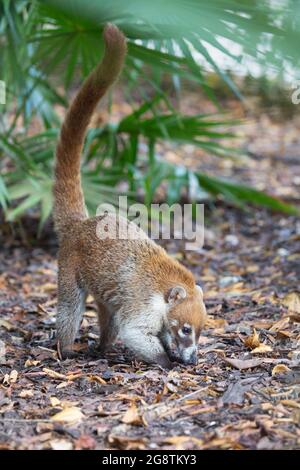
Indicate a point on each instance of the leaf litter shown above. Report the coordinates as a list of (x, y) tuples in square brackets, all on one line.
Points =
[(244, 391)]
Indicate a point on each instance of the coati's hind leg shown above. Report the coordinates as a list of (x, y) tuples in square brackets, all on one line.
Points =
[(71, 302), (108, 330)]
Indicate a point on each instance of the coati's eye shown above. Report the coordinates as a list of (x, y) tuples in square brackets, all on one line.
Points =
[(186, 330)]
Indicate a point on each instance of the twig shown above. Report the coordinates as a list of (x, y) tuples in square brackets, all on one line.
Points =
[(24, 420)]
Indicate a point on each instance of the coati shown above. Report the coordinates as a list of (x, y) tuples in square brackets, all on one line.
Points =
[(146, 298)]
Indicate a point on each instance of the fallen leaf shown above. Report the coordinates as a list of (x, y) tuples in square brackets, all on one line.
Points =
[(44, 427), (252, 341), (48, 287), (169, 387), (252, 268), (295, 317), (8, 326), (53, 374), (234, 394), (127, 443), (61, 444), (290, 403), (41, 309), (243, 364), (63, 384), (85, 442), (71, 415), (280, 369), (281, 324), (13, 376), (181, 442), (44, 437), (3, 284), (284, 334), (133, 416), (96, 378), (54, 401), (292, 302), (31, 362), (73, 375), (263, 348), (123, 396), (10, 378), (26, 394), (223, 443)]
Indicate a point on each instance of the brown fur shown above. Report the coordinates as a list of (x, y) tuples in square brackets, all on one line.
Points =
[(138, 288)]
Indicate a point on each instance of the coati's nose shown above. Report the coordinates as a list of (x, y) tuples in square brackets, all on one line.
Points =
[(192, 359)]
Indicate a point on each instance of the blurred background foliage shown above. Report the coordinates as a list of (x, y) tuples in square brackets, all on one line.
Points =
[(48, 47)]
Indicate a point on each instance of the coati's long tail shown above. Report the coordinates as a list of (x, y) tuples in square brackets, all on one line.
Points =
[(68, 197)]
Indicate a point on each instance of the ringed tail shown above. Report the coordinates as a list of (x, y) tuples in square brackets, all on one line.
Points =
[(68, 196)]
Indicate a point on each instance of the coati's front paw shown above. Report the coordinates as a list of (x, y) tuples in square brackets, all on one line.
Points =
[(163, 361), (96, 351), (68, 354)]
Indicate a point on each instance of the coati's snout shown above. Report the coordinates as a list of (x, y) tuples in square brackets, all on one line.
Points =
[(186, 318), (181, 344)]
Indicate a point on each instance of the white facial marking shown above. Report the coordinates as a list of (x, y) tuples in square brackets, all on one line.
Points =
[(188, 352), (168, 339), (194, 336), (181, 334)]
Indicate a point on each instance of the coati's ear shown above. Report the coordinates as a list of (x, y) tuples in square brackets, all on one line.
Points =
[(199, 288), (176, 294)]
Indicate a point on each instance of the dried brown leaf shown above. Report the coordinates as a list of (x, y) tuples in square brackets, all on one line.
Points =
[(6, 324), (26, 394), (243, 364), (263, 348), (61, 444), (127, 443), (53, 374), (97, 378), (54, 401), (280, 369), (281, 324), (71, 415), (183, 442), (31, 363), (292, 302), (10, 378), (252, 341), (85, 442), (133, 416)]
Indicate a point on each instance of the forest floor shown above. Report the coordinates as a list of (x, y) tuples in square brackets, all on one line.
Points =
[(243, 393)]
